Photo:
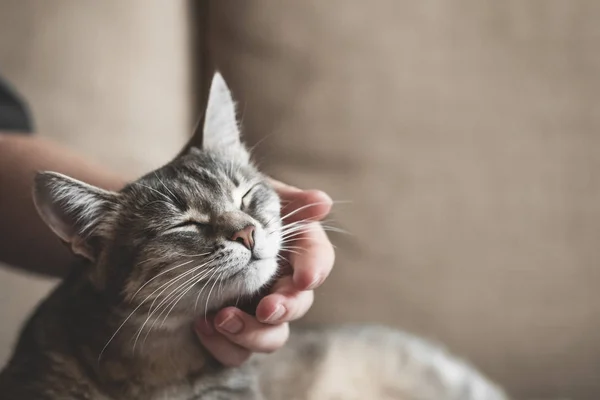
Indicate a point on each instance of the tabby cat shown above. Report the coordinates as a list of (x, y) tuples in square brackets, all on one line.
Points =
[(180, 242)]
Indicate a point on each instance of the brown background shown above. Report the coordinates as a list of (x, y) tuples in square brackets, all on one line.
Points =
[(465, 133)]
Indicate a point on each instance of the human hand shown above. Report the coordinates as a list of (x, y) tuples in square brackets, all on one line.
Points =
[(232, 335)]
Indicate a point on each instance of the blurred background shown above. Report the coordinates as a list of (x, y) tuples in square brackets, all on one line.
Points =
[(465, 133)]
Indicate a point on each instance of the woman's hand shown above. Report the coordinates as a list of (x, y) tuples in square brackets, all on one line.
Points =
[(233, 335)]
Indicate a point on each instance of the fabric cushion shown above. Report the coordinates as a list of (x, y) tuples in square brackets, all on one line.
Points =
[(108, 79), (465, 135)]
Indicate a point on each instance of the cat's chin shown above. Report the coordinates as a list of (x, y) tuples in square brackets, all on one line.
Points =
[(257, 274), (243, 289), (247, 282)]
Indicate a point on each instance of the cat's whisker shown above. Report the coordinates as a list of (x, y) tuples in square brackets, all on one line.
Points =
[(193, 255), (291, 251), (177, 298), (302, 223), (313, 205), (170, 296), (170, 255), (315, 218), (290, 225), (296, 239), (169, 200), (304, 207), (220, 290), (202, 289), (295, 234), (128, 317), (158, 275), (165, 286), (148, 260), (284, 228), (210, 291), (197, 280), (292, 247), (306, 222), (174, 291), (295, 229), (308, 228), (191, 271), (288, 252), (165, 186)]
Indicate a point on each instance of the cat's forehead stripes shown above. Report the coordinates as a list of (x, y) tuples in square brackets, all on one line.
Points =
[(193, 214), (207, 186)]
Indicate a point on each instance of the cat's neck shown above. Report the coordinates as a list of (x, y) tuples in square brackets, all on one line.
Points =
[(119, 344)]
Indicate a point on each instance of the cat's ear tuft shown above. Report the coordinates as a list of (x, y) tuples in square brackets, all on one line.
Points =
[(221, 130), (75, 211)]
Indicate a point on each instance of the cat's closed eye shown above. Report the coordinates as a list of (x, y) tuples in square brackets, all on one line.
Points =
[(247, 197), (189, 224)]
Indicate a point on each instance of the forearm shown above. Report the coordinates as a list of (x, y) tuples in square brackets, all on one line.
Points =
[(25, 241)]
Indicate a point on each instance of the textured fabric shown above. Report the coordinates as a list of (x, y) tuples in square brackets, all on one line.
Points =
[(465, 135), (110, 79), (102, 78)]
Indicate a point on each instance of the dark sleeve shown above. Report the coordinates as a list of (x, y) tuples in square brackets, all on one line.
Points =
[(14, 113)]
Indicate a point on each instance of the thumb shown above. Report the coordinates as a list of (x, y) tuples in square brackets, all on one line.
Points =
[(301, 204)]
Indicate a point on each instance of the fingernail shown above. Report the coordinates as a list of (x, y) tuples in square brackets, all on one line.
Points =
[(233, 324), (315, 283), (205, 328), (276, 315)]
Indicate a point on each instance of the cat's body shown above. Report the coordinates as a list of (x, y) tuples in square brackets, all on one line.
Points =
[(57, 359), (57, 356), (181, 242)]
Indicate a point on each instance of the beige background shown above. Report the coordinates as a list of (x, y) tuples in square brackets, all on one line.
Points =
[(110, 79), (465, 133)]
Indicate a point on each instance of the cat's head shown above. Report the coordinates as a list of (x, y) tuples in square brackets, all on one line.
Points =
[(196, 233)]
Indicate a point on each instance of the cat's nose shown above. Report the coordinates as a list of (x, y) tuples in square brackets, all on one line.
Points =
[(245, 237)]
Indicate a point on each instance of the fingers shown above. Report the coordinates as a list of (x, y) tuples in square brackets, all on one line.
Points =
[(302, 204), (225, 351), (313, 264), (285, 304), (232, 335)]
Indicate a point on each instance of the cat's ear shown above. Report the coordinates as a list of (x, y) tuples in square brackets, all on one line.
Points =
[(75, 211), (221, 130)]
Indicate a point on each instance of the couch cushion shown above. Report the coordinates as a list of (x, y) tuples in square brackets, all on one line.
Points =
[(466, 135), (109, 79)]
